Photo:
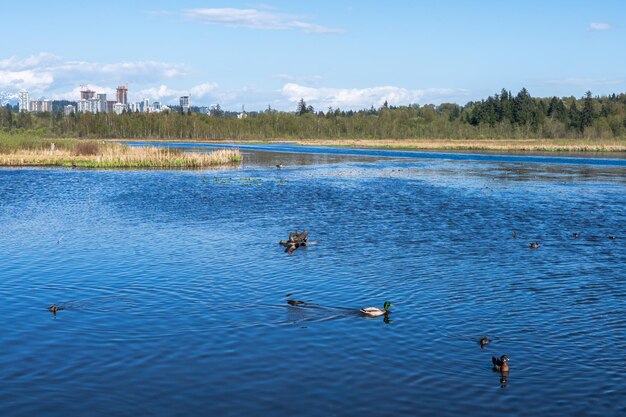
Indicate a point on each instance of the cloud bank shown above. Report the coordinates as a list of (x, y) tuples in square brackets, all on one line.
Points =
[(52, 75), (359, 98)]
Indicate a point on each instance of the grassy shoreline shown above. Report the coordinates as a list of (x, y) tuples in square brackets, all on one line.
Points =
[(502, 145), (16, 151)]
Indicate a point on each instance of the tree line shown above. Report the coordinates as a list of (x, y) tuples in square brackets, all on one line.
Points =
[(503, 115)]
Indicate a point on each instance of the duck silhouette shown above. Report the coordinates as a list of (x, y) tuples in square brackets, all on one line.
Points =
[(501, 364), (54, 308), (576, 235), (534, 245), (484, 341)]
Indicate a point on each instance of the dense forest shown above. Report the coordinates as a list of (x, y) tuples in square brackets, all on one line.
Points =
[(502, 115)]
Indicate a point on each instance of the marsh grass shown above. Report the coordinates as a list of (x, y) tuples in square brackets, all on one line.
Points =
[(508, 145), (16, 150), (503, 145)]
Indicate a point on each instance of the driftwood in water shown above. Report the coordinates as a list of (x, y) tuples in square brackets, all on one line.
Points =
[(295, 241)]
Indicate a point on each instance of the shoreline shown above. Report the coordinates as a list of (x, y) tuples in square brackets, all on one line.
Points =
[(523, 146)]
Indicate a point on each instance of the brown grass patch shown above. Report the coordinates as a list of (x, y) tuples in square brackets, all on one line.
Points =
[(113, 155)]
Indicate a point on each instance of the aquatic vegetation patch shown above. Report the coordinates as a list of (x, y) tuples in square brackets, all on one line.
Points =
[(245, 181)]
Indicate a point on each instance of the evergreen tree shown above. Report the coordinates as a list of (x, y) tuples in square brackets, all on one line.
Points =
[(523, 107), (574, 117), (302, 108), (586, 116), (557, 110)]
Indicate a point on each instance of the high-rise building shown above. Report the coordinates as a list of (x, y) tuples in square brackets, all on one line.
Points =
[(86, 94), (82, 106), (102, 103), (23, 100), (184, 103), (94, 104), (46, 105), (122, 94), (90, 106), (69, 109), (110, 106), (40, 105), (119, 108)]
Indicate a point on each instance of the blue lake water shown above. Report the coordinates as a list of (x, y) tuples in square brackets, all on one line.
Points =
[(174, 288)]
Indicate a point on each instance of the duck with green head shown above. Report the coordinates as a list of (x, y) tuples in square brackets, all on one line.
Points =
[(375, 311), (501, 364)]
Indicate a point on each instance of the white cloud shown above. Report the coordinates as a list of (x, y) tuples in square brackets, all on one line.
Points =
[(26, 79), (52, 75), (203, 90), (358, 98), (170, 95), (255, 19), (161, 93), (74, 93), (15, 64), (599, 26)]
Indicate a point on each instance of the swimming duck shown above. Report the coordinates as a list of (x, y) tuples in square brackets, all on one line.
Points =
[(514, 235), (375, 311), (612, 237), (501, 364), (534, 245), (279, 166), (484, 341), (295, 302), (53, 308), (576, 235), (291, 247)]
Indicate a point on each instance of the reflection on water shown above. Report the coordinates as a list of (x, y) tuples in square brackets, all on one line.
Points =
[(173, 293)]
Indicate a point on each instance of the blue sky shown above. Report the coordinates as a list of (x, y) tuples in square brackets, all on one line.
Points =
[(347, 54)]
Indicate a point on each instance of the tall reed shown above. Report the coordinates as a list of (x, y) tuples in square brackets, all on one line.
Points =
[(28, 151)]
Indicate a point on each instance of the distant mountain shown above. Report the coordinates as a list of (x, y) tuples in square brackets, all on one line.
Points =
[(10, 98)]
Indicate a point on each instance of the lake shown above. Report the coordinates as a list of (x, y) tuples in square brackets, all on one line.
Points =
[(173, 289)]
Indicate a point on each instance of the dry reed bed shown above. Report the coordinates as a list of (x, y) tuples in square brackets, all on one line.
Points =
[(503, 145), (120, 156), (522, 145)]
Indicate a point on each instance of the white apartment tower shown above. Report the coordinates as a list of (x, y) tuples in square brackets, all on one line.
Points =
[(24, 101)]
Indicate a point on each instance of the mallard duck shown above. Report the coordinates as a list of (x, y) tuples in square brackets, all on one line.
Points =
[(501, 364), (534, 245), (576, 235), (484, 341), (53, 308), (375, 311), (612, 237), (291, 247), (279, 166)]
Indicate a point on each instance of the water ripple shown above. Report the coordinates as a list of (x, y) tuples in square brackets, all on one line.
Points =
[(173, 289)]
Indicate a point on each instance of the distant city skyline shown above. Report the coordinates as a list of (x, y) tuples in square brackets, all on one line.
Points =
[(350, 54)]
